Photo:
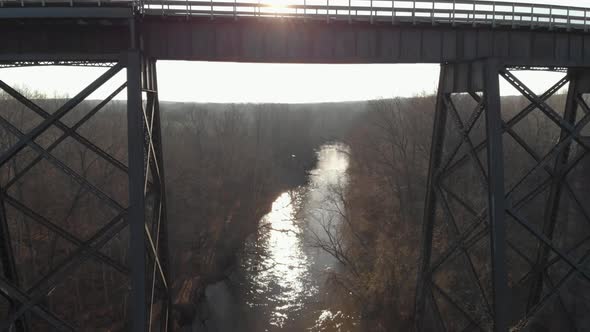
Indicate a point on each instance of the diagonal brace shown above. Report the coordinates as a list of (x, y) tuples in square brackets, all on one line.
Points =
[(61, 112)]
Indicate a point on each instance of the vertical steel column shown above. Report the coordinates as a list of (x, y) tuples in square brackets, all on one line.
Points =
[(554, 198), (496, 198), (136, 210), (436, 152), (163, 250)]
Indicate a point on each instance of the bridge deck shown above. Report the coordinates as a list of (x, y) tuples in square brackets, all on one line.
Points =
[(433, 11), (295, 41), (302, 31), (418, 11)]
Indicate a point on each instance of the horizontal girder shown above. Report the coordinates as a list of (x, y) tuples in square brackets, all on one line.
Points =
[(291, 41)]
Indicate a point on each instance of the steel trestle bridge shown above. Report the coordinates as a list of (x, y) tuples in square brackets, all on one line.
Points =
[(466, 231)]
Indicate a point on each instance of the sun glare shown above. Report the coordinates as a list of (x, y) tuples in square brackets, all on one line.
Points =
[(277, 6)]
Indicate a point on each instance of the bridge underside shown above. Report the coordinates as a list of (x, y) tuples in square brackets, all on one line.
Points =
[(292, 41), (284, 40)]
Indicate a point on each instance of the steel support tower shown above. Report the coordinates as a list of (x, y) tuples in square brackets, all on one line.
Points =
[(502, 246), (137, 218)]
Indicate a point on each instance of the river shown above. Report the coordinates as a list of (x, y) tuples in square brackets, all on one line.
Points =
[(281, 282)]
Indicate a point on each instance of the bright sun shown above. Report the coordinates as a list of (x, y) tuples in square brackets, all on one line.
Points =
[(276, 6)]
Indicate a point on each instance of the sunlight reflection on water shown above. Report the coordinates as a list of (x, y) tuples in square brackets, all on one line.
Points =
[(283, 281), (285, 270)]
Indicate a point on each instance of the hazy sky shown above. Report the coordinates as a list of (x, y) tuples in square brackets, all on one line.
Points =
[(289, 83), (239, 82)]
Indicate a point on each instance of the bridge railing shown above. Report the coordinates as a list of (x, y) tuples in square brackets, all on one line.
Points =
[(416, 11)]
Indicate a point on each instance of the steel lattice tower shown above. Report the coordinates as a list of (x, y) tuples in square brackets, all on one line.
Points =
[(139, 218), (503, 238)]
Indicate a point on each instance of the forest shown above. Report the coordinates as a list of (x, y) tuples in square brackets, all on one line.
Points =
[(227, 163)]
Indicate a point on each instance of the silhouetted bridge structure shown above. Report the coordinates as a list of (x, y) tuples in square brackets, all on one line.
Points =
[(476, 42)]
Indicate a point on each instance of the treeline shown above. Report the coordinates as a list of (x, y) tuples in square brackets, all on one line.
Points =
[(224, 165), (379, 240)]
